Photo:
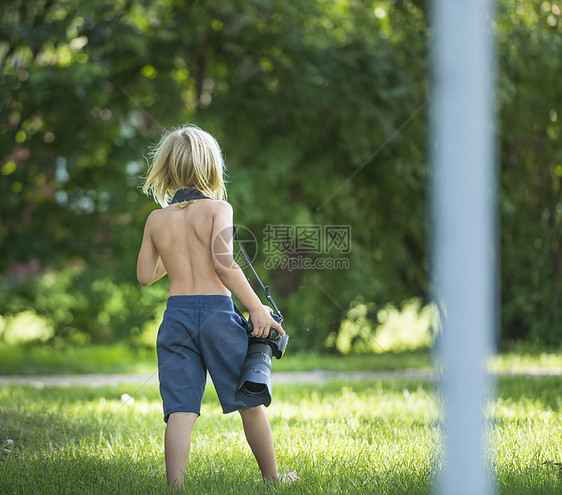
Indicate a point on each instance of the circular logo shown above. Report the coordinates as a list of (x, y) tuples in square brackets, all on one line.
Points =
[(248, 244)]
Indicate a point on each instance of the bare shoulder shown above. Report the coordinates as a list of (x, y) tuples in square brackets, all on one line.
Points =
[(153, 216), (219, 207), (220, 204), (151, 222)]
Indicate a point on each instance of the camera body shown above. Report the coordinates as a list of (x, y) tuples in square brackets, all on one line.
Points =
[(277, 342)]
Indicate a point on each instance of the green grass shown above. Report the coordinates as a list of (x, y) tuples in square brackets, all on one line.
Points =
[(377, 436), (371, 362), (525, 361), (42, 359), (37, 359), (118, 358)]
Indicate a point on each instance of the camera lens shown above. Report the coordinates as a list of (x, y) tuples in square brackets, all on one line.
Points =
[(254, 386), (254, 389)]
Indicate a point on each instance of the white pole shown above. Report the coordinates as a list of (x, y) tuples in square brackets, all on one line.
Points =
[(463, 184)]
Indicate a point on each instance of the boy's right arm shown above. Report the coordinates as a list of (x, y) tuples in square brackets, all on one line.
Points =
[(231, 274), (149, 264)]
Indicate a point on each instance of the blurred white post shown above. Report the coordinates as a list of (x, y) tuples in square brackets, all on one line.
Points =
[(463, 203)]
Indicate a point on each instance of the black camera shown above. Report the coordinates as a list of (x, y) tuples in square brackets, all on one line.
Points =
[(254, 386), (277, 342)]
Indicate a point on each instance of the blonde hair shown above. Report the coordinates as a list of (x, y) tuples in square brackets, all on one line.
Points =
[(185, 157)]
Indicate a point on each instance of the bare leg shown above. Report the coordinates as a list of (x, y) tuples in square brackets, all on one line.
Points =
[(177, 442), (258, 434)]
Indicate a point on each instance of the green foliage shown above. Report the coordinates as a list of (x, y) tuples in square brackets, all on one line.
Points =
[(87, 306), (302, 96), (529, 100), (74, 132), (391, 329), (26, 326)]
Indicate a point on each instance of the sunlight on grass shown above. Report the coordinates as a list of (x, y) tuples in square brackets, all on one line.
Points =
[(379, 436), (339, 437), (525, 432), (526, 362)]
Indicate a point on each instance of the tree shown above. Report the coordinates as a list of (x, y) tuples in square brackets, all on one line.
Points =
[(321, 110)]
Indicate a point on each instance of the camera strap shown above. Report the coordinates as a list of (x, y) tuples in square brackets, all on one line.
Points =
[(264, 287), (189, 194)]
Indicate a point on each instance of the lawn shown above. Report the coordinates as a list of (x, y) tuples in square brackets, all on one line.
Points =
[(21, 359), (376, 436), (118, 358)]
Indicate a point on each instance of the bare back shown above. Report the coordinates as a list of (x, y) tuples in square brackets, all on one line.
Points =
[(193, 245), (182, 237)]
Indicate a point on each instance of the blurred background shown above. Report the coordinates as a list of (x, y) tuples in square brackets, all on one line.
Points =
[(321, 109)]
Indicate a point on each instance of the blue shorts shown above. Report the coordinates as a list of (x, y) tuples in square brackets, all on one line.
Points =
[(200, 333)]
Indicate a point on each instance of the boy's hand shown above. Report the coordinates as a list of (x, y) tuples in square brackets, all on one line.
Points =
[(262, 322)]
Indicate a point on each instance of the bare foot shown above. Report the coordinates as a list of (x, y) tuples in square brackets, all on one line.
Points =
[(287, 478)]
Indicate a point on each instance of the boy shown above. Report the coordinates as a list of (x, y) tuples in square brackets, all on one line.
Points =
[(191, 241)]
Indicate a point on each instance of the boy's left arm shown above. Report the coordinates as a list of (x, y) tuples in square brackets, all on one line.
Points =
[(149, 264)]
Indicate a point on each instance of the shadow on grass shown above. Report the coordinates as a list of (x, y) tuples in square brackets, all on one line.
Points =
[(65, 471), (545, 391), (545, 479)]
